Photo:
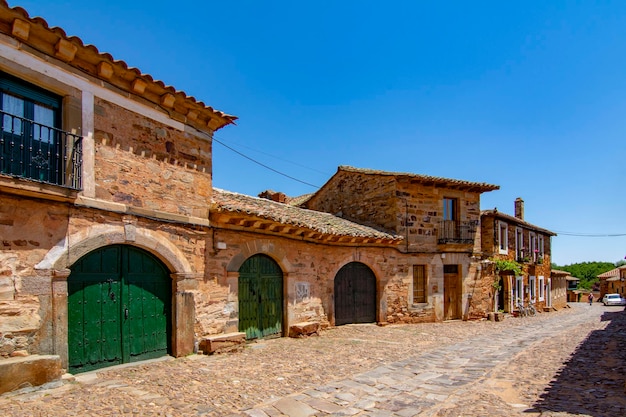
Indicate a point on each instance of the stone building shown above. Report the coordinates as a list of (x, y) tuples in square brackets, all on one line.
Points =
[(104, 188), (559, 283), (438, 273), (116, 247), (513, 238), (613, 282)]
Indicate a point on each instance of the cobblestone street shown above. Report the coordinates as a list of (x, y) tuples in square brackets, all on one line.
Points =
[(570, 362)]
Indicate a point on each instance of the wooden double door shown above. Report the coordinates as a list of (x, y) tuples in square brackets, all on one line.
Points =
[(355, 294), (119, 308), (260, 297)]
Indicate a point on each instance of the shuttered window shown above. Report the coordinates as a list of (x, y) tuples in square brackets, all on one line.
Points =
[(419, 284)]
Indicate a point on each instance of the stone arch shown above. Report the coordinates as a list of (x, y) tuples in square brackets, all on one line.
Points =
[(78, 244), (260, 246)]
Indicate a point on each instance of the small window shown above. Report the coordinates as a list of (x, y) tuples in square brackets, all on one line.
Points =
[(419, 284), (541, 288), (532, 288), (450, 209), (450, 269), (503, 238)]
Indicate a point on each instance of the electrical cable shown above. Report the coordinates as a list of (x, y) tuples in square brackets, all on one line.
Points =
[(265, 166), (589, 234)]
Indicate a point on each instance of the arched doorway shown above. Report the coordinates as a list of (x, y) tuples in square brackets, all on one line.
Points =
[(260, 297), (119, 308), (355, 294)]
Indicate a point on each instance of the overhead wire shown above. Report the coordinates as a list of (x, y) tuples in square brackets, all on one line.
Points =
[(589, 234), (264, 165)]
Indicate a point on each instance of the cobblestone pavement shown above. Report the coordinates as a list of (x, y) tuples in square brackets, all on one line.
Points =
[(571, 362)]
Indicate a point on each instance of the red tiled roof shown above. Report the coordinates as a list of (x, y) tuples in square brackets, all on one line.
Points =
[(427, 179), (609, 274), (289, 215), (515, 220), (106, 57)]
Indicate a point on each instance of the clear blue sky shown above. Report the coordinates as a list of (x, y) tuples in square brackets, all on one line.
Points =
[(529, 95)]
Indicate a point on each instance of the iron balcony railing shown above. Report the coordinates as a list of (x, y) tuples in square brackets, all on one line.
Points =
[(452, 231), (40, 153)]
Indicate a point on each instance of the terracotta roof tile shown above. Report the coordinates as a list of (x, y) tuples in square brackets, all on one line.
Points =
[(289, 215), (609, 274), (104, 56), (445, 182), (515, 220)]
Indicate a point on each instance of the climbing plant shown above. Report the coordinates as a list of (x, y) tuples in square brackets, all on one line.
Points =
[(508, 265), (502, 265)]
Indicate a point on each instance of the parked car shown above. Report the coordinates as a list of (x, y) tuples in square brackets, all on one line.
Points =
[(613, 300)]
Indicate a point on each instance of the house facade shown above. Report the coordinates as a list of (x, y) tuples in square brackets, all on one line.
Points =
[(439, 218), (559, 284), (512, 238), (105, 178), (613, 282)]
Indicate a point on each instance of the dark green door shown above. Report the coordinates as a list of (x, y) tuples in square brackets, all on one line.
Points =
[(355, 294), (119, 303), (260, 297)]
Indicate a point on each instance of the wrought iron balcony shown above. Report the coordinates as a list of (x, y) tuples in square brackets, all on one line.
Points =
[(451, 231), (40, 153)]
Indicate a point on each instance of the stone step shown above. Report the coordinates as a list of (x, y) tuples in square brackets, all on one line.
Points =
[(222, 343), (29, 371)]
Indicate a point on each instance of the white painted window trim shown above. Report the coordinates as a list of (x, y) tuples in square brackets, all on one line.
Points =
[(541, 284), (519, 245), (532, 284), (503, 241), (541, 245), (519, 289)]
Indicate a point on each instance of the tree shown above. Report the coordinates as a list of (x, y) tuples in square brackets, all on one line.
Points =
[(587, 272)]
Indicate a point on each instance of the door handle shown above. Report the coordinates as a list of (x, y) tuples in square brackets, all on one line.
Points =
[(126, 313)]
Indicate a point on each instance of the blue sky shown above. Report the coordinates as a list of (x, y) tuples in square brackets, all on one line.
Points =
[(529, 95)]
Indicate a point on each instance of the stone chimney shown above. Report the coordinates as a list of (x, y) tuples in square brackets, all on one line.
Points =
[(519, 208), (274, 196)]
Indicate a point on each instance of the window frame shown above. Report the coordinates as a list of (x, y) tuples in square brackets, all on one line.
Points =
[(503, 240), (28, 141), (532, 287), (519, 243), (419, 284), (541, 284)]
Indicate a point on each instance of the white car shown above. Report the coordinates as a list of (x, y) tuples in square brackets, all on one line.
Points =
[(613, 300)]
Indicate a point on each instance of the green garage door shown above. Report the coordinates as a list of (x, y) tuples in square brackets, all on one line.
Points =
[(260, 297), (119, 308)]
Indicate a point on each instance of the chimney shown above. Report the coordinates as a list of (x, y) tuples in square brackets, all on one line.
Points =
[(519, 208), (274, 196)]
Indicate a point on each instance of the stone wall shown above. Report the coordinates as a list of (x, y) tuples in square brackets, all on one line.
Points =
[(365, 199), (142, 163), (308, 269), (41, 237), (397, 204)]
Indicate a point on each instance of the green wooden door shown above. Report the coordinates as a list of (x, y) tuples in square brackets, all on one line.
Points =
[(119, 300), (260, 298)]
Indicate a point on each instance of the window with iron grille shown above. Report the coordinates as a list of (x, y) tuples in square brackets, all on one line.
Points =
[(31, 147), (419, 284)]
